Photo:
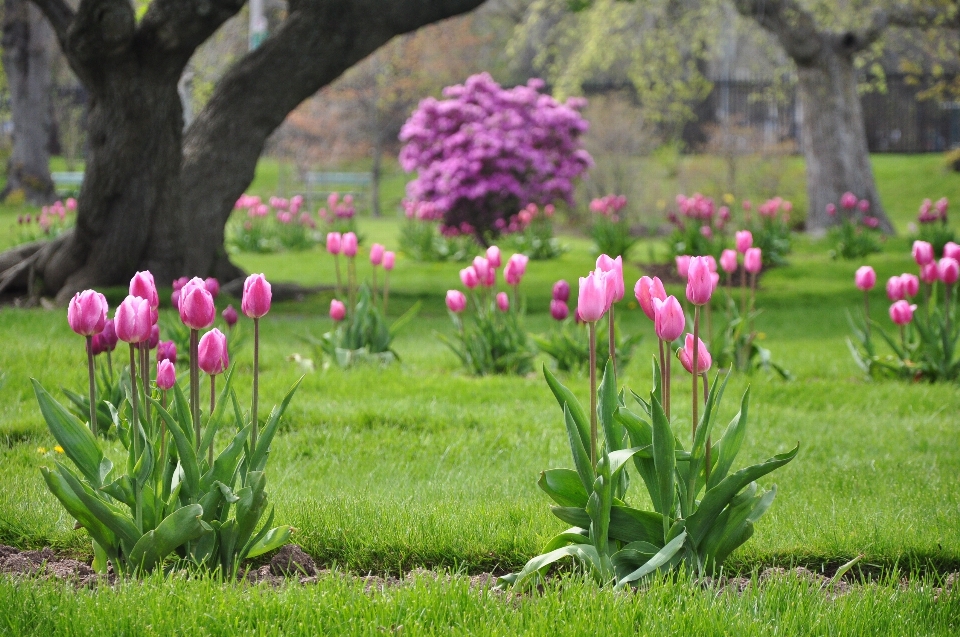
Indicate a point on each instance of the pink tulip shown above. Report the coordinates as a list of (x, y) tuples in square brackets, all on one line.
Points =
[(87, 313), (865, 278), (388, 260), (229, 315), (175, 298), (848, 201), (704, 361), (645, 291), (831, 209), (728, 261), (714, 281), (97, 346), (338, 311), (699, 283), (753, 260), (558, 309), (167, 351), (456, 301), (154, 339), (212, 354), (213, 286), (109, 335), (503, 302), (561, 291), (197, 310), (333, 242), (469, 277), (179, 283), (683, 265), (133, 320), (922, 252), (929, 273), (349, 244), (894, 288), (901, 312), (376, 254), (669, 320), (592, 300), (142, 285), (257, 296), (166, 375), (515, 269), (911, 284), (493, 256), (711, 263), (614, 279), (482, 267), (952, 250), (744, 241), (948, 270)]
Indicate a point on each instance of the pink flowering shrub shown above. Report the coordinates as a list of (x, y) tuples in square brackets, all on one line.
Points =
[(484, 152)]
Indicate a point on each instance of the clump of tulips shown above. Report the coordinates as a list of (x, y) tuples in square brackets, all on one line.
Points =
[(858, 233), (610, 226), (924, 310), (175, 496), (701, 510), (933, 227), (360, 332), (496, 342), (273, 225)]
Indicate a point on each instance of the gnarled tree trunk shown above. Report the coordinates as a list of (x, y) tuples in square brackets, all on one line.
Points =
[(153, 196), (27, 51)]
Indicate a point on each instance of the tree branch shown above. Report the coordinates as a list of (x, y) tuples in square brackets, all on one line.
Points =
[(180, 26), (898, 16), (794, 27), (59, 14), (100, 29)]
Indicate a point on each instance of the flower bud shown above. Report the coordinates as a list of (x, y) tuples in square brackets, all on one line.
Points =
[(561, 291), (515, 269), (699, 282), (229, 315), (728, 261), (349, 244), (197, 310), (865, 278), (948, 270), (503, 301), (558, 309), (704, 361), (212, 353), (133, 320), (143, 285), (333, 242), (592, 300), (166, 375), (922, 252), (87, 313), (614, 279), (213, 286), (388, 260), (645, 291), (744, 240), (683, 265), (456, 301), (167, 351), (911, 284), (338, 311), (669, 320), (929, 273), (469, 277), (376, 254), (753, 260), (901, 312), (257, 296), (493, 256)]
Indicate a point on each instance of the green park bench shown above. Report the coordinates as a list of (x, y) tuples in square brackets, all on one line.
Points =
[(319, 185), (67, 183)]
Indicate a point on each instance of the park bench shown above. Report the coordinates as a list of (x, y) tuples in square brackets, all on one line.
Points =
[(319, 185), (67, 183)]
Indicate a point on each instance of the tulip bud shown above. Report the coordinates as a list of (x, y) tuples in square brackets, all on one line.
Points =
[(699, 283), (929, 273), (948, 270), (901, 312), (388, 260), (167, 351), (197, 310), (333, 242), (952, 250), (376, 254), (728, 261), (645, 291), (592, 300), (482, 267), (175, 298), (922, 252), (257, 296), (911, 284), (683, 265), (87, 313), (154, 339), (704, 361), (558, 309), (97, 346), (894, 288), (166, 375), (753, 260), (865, 278), (179, 283), (212, 353), (456, 301), (744, 241), (669, 320), (213, 286), (229, 316), (109, 335), (503, 302), (469, 277), (133, 320), (614, 280), (561, 291), (493, 256), (338, 311), (349, 244), (711, 262), (515, 269), (142, 285)]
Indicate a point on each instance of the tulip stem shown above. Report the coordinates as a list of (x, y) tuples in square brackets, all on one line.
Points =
[(743, 292), (866, 313), (593, 393), (93, 387), (663, 375), (213, 405), (163, 428), (145, 379), (696, 365), (516, 297), (256, 383), (669, 390), (351, 280), (336, 263), (195, 383), (903, 339), (135, 402), (374, 292), (110, 363), (612, 339), (706, 392), (753, 297), (386, 291)]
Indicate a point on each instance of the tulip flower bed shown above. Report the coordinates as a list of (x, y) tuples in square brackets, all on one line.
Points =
[(279, 224), (422, 464)]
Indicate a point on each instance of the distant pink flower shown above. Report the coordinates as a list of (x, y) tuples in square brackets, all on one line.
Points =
[(865, 278), (728, 261), (901, 312), (683, 265), (646, 291), (503, 301), (894, 288), (338, 311), (948, 270), (559, 310), (456, 301)]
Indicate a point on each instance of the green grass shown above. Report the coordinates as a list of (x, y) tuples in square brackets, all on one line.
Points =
[(421, 465)]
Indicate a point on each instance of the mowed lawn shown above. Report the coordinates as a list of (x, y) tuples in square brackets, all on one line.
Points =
[(421, 465)]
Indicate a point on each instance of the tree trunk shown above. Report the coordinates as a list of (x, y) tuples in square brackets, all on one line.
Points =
[(27, 52), (834, 140)]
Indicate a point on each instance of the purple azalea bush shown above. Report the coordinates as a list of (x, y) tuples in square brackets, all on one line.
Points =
[(484, 152)]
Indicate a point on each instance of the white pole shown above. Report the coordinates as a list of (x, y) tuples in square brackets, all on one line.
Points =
[(258, 24)]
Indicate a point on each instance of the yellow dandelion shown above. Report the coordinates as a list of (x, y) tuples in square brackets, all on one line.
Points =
[(58, 449), (728, 199), (41, 450)]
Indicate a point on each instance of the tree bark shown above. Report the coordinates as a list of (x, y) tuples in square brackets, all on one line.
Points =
[(153, 196), (27, 54)]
